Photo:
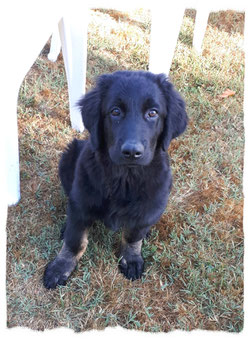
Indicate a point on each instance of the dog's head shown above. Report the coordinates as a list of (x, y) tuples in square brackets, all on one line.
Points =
[(131, 114)]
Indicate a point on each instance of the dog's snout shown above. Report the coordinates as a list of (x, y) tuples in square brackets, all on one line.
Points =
[(131, 150)]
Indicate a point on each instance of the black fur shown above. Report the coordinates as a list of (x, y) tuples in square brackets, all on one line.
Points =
[(121, 175)]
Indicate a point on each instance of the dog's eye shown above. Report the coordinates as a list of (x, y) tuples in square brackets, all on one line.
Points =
[(115, 112), (152, 113)]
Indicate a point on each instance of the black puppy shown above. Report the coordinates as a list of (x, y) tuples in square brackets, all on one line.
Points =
[(121, 175)]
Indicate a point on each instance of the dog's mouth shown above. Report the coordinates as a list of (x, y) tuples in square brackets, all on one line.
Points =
[(127, 164), (133, 164)]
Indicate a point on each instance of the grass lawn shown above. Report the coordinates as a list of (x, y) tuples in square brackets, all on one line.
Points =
[(194, 256)]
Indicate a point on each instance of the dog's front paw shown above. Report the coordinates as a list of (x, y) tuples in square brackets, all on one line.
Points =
[(132, 267), (57, 272)]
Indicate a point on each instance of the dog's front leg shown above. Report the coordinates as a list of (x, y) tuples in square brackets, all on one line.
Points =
[(75, 243), (131, 262)]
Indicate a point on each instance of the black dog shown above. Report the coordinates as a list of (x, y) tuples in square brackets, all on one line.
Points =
[(121, 175)]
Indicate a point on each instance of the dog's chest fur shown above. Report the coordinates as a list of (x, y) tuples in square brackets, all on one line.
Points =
[(133, 196)]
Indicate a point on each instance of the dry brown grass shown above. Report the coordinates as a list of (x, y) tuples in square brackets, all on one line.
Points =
[(194, 256)]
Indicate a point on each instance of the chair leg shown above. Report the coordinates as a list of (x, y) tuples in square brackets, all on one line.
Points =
[(201, 19), (165, 29), (73, 33), (55, 46)]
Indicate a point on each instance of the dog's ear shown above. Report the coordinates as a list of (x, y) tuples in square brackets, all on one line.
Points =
[(176, 119), (91, 107)]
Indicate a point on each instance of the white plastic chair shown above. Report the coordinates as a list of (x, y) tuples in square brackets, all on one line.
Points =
[(34, 26), (165, 24)]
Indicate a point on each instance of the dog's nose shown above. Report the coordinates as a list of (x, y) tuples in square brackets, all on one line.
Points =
[(131, 150)]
